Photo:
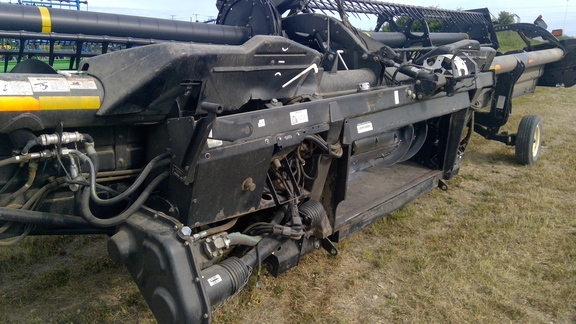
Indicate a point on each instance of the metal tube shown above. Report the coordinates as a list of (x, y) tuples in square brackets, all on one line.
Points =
[(48, 20), (394, 39), (506, 63)]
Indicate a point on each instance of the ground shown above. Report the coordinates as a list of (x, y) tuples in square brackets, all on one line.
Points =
[(498, 246)]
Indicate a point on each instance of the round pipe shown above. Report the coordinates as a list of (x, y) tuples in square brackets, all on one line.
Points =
[(48, 20)]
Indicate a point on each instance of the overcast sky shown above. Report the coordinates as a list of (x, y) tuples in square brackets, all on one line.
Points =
[(558, 14)]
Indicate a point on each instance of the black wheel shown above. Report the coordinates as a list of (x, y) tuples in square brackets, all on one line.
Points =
[(528, 139)]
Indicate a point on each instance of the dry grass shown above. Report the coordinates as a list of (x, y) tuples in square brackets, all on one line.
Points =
[(498, 246)]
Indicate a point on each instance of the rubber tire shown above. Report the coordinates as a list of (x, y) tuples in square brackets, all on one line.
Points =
[(528, 139)]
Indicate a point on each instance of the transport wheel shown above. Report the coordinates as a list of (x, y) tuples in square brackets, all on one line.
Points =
[(528, 139)]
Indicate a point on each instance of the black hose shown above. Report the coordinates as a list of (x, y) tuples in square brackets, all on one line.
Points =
[(115, 220), (31, 143), (12, 179), (29, 216), (87, 138), (19, 238), (325, 146), (106, 202)]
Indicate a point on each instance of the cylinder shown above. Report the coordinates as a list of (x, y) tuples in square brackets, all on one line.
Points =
[(47, 20), (39, 101), (346, 80), (506, 63), (394, 39)]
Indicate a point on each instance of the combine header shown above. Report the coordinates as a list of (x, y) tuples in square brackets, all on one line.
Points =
[(279, 130)]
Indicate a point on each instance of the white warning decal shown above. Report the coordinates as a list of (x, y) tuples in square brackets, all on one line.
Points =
[(261, 122), (214, 280), (299, 117), (15, 88), (49, 84), (364, 127), (82, 83), (396, 97)]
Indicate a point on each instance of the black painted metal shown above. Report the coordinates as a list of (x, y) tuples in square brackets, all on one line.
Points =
[(17, 17)]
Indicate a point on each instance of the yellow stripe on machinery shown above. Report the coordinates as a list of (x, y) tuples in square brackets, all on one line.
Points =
[(49, 103), (46, 21)]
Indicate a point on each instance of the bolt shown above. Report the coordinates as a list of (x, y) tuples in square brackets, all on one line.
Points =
[(175, 227), (331, 57), (279, 138), (206, 315), (266, 141), (364, 56), (187, 168), (121, 161), (186, 231), (197, 279), (316, 244), (207, 156)]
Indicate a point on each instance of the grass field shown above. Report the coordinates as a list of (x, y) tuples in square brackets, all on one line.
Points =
[(498, 246)]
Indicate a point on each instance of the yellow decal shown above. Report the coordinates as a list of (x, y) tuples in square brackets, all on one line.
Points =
[(72, 102), (46, 21), (19, 103), (495, 67), (49, 103)]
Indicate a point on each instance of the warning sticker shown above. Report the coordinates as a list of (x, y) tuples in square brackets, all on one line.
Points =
[(364, 127), (299, 117), (82, 83), (49, 84), (15, 88), (214, 280), (501, 102)]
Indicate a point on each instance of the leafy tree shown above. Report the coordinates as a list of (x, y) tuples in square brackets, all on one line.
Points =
[(505, 18)]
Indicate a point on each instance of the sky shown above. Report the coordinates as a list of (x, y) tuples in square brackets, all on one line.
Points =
[(558, 14)]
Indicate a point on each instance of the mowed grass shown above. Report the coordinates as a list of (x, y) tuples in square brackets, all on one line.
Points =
[(498, 246)]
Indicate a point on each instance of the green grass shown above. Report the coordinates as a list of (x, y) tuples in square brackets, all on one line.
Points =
[(59, 64)]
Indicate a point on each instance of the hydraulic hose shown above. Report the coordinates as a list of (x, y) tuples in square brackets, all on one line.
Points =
[(334, 150), (36, 217), (16, 159), (115, 220), (242, 239), (156, 162), (32, 168)]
